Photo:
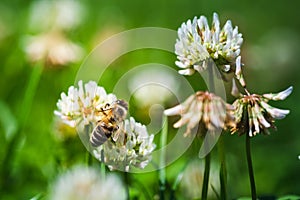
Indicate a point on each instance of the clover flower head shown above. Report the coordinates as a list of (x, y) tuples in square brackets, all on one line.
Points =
[(197, 42), (81, 104), (132, 147), (203, 108), (254, 115), (85, 183), (53, 48)]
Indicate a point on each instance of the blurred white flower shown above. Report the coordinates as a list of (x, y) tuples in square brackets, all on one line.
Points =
[(203, 108), (82, 183), (151, 87), (133, 147), (192, 180), (253, 114), (197, 42), (60, 14), (5, 30), (53, 48), (275, 49), (81, 103)]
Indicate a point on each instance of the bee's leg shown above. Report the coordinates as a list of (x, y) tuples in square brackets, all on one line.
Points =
[(107, 105)]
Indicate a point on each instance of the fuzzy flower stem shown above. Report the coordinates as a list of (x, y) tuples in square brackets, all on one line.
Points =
[(102, 166), (211, 78), (162, 162), (250, 167), (23, 116)]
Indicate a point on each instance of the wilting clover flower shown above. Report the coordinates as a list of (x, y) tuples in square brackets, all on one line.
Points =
[(86, 183), (203, 108), (197, 42), (254, 115), (132, 147), (81, 104)]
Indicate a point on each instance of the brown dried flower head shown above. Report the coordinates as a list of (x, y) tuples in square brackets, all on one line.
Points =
[(253, 114), (203, 108)]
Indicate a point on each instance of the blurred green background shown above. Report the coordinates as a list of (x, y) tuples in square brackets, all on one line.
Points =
[(271, 32)]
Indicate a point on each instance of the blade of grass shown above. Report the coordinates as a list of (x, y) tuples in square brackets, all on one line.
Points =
[(23, 116)]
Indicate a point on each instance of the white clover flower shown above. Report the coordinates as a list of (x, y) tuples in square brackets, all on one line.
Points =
[(133, 147), (80, 104), (53, 48), (203, 108), (253, 114), (197, 42), (82, 183), (61, 14), (130, 145)]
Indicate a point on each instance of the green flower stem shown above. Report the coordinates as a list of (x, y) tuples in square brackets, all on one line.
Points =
[(223, 171), (102, 165), (211, 79), (23, 116), (126, 179), (89, 158), (250, 167), (162, 159), (204, 192), (206, 177)]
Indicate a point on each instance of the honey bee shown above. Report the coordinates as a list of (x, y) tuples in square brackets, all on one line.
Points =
[(110, 118)]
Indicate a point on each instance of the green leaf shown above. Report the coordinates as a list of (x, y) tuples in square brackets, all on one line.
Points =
[(8, 121), (244, 198), (37, 197), (289, 197)]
